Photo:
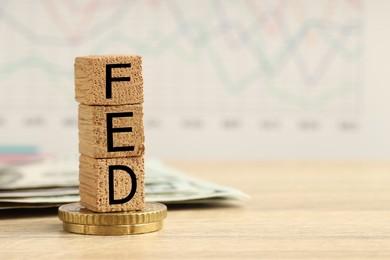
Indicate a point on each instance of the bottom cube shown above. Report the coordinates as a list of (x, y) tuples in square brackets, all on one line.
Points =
[(115, 184)]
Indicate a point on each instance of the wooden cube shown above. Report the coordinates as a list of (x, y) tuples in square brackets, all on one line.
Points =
[(109, 80), (108, 185), (111, 131)]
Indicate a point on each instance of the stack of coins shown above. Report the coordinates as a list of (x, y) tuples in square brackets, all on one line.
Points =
[(109, 89), (78, 219)]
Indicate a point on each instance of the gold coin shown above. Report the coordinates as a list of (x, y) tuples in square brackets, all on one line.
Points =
[(78, 214), (113, 230)]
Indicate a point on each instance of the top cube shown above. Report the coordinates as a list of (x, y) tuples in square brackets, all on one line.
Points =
[(109, 80)]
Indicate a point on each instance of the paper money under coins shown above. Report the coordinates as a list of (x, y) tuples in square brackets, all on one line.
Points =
[(54, 181)]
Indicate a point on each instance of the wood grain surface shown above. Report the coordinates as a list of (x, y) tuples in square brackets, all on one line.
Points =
[(298, 210)]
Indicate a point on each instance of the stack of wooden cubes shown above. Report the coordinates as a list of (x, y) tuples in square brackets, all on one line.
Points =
[(109, 89)]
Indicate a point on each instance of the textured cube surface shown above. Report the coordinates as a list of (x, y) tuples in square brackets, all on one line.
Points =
[(118, 127), (125, 79), (95, 183)]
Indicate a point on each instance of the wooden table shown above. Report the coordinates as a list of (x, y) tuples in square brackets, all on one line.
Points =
[(297, 211)]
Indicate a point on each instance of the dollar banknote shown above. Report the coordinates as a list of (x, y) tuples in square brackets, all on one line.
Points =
[(54, 181)]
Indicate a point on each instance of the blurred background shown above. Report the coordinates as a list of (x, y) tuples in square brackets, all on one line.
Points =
[(246, 79)]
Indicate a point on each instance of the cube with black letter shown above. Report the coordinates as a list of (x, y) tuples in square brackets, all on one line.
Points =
[(111, 131), (115, 184), (109, 80)]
